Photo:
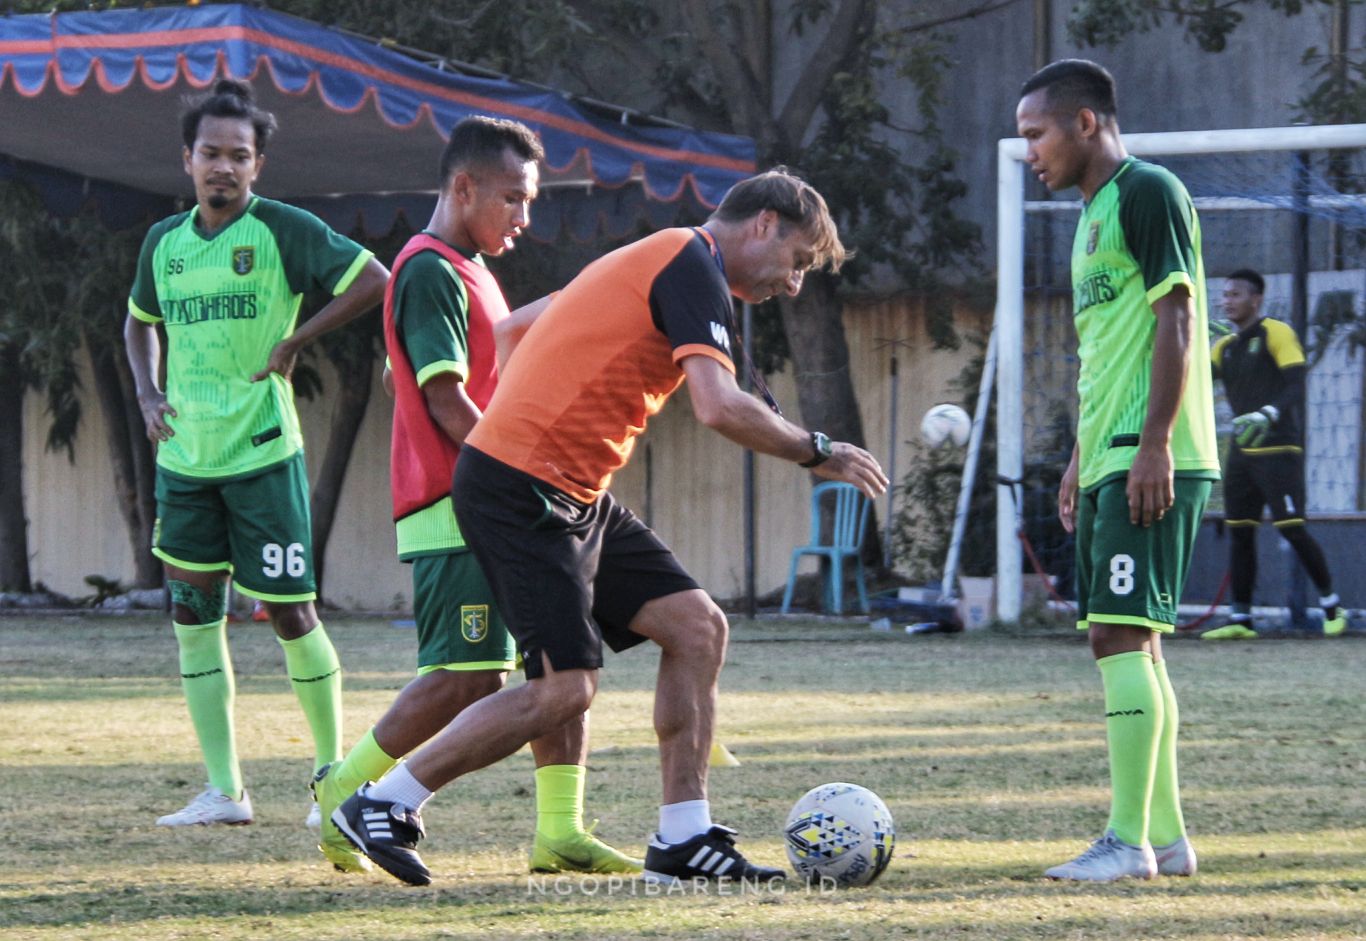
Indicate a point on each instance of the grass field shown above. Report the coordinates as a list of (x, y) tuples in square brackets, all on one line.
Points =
[(988, 748)]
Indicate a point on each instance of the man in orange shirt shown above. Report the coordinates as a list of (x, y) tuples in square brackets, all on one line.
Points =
[(569, 566)]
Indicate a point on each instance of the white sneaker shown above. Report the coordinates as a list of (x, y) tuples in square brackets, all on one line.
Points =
[(1108, 859), (315, 818), (1176, 859), (210, 806)]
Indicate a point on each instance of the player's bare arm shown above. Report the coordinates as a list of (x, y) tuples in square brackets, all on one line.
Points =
[(724, 407), (450, 405), (1067, 491), (365, 293), (144, 359), (1151, 489), (508, 332)]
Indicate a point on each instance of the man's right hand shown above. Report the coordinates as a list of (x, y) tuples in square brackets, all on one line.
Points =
[(1067, 496), (155, 410), (855, 466)]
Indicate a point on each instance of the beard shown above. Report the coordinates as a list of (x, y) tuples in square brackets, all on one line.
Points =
[(218, 201)]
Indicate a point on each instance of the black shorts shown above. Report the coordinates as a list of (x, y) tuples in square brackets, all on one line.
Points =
[(566, 575), (1254, 481)]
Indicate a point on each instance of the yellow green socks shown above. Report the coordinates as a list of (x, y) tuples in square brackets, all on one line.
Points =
[(1167, 825), (315, 673), (366, 761), (1133, 726), (207, 678), (559, 800)]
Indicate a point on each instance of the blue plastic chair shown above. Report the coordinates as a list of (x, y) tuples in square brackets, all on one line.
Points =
[(846, 540)]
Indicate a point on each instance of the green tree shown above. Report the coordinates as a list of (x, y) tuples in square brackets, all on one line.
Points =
[(102, 268), (802, 78), (1338, 92), (38, 343)]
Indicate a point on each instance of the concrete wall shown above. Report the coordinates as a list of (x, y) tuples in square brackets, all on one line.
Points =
[(1276, 562), (686, 478)]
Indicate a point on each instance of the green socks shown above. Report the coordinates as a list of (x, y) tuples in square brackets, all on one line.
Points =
[(559, 800), (1166, 825), (315, 673), (1133, 726), (207, 678), (366, 761)]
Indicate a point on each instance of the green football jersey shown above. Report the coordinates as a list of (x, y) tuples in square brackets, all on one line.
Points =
[(1137, 239), (226, 300)]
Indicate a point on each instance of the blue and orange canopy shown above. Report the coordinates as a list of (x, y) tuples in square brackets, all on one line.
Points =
[(95, 96)]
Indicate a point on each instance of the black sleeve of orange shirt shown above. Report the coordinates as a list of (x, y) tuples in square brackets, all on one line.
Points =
[(690, 304)]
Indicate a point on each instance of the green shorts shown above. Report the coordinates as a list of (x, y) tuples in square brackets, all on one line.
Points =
[(258, 528), (1127, 574), (458, 625)]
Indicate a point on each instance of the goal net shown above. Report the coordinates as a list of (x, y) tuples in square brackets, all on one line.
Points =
[(1283, 201)]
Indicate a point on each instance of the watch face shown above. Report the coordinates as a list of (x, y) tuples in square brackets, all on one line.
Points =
[(822, 444)]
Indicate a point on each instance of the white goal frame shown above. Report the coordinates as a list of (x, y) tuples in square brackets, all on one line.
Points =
[(1011, 208)]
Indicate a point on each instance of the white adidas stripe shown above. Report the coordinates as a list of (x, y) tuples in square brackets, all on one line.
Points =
[(699, 855)]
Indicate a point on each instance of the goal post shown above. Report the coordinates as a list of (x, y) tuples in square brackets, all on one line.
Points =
[(1256, 191)]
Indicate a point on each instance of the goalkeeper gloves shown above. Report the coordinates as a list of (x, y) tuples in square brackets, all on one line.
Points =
[(1250, 430)]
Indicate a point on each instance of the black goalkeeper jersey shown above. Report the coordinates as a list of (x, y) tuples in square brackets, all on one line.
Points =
[(1264, 365)]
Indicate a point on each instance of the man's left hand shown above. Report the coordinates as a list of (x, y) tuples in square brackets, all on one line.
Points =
[(853, 465), (1250, 430), (282, 360)]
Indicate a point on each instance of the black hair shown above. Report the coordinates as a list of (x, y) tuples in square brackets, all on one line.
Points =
[(479, 140), (230, 98), (1073, 84), (1251, 277)]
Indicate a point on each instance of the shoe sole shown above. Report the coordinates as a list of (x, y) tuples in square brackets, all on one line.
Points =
[(394, 867), (209, 823), (628, 867), (1127, 875), (346, 859), (650, 875), (589, 870)]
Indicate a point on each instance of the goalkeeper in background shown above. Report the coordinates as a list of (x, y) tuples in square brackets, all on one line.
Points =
[(1263, 369)]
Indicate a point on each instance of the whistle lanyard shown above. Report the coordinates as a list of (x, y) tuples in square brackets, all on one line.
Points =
[(755, 378)]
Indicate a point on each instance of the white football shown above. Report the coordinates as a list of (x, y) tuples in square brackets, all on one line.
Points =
[(840, 832), (946, 424)]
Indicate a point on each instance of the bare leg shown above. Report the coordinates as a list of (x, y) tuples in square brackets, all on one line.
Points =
[(567, 745), (692, 632), (496, 726), (428, 703)]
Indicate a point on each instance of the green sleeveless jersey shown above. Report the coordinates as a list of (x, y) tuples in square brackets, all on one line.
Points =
[(1137, 239), (226, 300)]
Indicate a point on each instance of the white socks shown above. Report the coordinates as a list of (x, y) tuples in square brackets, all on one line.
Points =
[(401, 787), (684, 820)]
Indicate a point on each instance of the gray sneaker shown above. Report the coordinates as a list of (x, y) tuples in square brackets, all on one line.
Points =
[(1176, 859), (1108, 859), (210, 806)]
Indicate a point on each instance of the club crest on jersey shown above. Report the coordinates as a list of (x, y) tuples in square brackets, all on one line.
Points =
[(474, 622), (1254, 345), (1093, 238), (243, 259)]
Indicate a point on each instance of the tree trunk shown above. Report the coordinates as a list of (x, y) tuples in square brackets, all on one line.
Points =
[(814, 324), (14, 570), (130, 455), (347, 413)]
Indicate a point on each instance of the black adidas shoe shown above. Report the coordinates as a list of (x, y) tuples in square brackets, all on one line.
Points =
[(386, 832), (710, 855)]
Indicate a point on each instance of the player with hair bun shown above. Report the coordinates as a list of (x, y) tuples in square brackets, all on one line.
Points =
[(225, 281)]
